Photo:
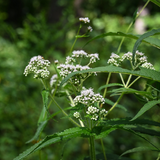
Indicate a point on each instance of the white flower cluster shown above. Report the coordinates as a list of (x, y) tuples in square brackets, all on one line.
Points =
[(148, 66), (76, 114), (71, 66), (89, 98), (90, 29), (114, 59), (85, 20), (140, 59), (53, 80), (37, 65)]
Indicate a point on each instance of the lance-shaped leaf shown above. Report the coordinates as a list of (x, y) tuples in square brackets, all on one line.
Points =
[(139, 149), (43, 115), (143, 72), (157, 2), (67, 134), (149, 40), (145, 108), (141, 38)]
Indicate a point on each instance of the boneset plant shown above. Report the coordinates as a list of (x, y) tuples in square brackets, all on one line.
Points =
[(87, 107)]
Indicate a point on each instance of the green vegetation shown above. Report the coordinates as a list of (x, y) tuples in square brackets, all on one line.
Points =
[(39, 120)]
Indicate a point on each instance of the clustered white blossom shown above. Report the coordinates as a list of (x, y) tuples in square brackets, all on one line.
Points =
[(140, 59), (148, 66), (114, 59), (71, 66), (37, 65), (85, 20), (53, 80), (76, 114), (89, 98), (90, 29)]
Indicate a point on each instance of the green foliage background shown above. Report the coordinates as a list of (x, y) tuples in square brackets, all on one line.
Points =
[(30, 31)]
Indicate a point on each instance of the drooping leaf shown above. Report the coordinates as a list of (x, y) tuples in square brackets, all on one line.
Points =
[(149, 40), (43, 115), (127, 121), (145, 108), (108, 101), (143, 72), (141, 38), (109, 85), (67, 134), (157, 2), (38, 132), (139, 149)]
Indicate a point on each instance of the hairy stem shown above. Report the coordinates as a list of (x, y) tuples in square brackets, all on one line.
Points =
[(122, 79)]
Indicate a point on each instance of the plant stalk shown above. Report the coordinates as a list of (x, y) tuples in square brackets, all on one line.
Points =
[(92, 148), (119, 48)]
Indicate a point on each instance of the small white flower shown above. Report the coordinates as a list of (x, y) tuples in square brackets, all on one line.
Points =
[(37, 65), (90, 29), (94, 117), (56, 62), (53, 79), (148, 66), (85, 20), (76, 114), (93, 57), (114, 59), (79, 53)]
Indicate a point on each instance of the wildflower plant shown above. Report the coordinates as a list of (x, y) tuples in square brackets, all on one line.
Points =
[(88, 109)]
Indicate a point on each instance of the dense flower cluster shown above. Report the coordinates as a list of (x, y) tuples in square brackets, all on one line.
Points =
[(85, 20), (140, 59), (90, 29), (71, 66), (37, 65), (53, 80), (89, 98)]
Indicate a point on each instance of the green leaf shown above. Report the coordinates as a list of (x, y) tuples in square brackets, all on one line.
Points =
[(143, 72), (109, 85), (67, 134), (39, 130), (149, 40), (157, 2), (43, 115), (127, 121), (145, 108), (139, 149), (108, 101), (141, 38), (143, 130), (128, 91)]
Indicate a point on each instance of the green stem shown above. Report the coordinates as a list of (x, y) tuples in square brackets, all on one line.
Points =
[(105, 91), (75, 39), (71, 100), (134, 81), (131, 25), (92, 148), (102, 144), (115, 104), (63, 111), (122, 79), (129, 78)]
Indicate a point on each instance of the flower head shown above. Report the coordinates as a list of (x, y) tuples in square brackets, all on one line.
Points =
[(85, 20), (90, 29), (37, 65)]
